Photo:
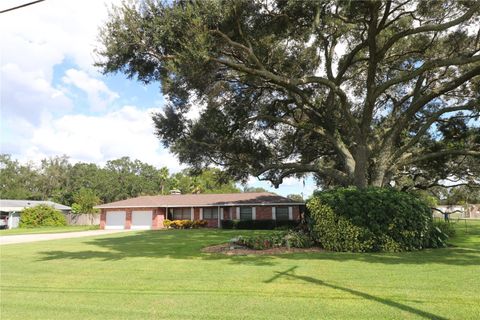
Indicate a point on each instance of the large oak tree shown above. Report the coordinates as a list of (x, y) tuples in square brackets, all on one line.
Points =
[(357, 93)]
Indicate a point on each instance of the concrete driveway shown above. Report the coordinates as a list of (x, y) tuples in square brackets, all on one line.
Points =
[(24, 238)]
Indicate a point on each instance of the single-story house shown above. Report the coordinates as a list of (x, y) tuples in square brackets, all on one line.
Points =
[(10, 210), (149, 212)]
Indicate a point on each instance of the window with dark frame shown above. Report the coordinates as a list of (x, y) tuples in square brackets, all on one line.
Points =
[(281, 213), (245, 213), (210, 213), (181, 213)]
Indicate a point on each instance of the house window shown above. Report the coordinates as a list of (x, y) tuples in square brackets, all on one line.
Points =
[(281, 213), (210, 213), (181, 213), (245, 213)]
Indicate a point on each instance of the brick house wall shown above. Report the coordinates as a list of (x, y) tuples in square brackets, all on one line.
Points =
[(263, 213), (196, 213), (159, 215)]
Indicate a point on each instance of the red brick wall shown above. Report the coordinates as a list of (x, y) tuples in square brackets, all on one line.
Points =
[(128, 219), (263, 213), (296, 212), (196, 213), (226, 214), (158, 217), (103, 218), (159, 214)]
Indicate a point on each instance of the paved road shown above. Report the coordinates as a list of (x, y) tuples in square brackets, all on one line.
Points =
[(23, 238)]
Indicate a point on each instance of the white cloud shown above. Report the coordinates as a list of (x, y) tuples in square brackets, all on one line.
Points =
[(99, 95), (43, 35), (27, 94), (126, 132)]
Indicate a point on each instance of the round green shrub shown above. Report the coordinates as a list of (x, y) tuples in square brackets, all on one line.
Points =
[(372, 219), (42, 216)]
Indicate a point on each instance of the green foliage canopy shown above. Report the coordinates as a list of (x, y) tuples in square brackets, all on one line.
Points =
[(85, 200), (355, 92), (84, 185)]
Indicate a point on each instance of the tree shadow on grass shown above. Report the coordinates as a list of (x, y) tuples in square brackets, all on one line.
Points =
[(175, 244), (187, 244), (394, 304), (446, 256)]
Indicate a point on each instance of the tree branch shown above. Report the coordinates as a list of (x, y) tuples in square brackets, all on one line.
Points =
[(419, 103), (292, 168), (424, 128), (409, 75), (440, 154), (430, 27)]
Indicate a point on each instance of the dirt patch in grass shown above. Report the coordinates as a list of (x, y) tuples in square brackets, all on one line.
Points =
[(230, 250)]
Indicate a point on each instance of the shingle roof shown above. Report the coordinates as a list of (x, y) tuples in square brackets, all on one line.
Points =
[(19, 205), (197, 200)]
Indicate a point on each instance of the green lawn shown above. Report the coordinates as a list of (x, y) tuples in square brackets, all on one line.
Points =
[(9, 232), (163, 275)]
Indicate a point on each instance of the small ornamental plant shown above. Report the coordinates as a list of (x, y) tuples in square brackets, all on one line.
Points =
[(185, 224)]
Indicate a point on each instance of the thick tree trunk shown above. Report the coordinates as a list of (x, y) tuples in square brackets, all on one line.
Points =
[(361, 165), (378, 173)]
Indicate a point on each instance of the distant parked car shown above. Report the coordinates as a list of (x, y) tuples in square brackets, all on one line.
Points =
[(3, 222)]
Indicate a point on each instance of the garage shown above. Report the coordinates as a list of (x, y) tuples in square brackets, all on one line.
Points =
[(115, 220), (141, 220)]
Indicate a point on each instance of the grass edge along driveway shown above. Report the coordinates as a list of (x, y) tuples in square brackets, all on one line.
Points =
[(40, 230), (163, 274)]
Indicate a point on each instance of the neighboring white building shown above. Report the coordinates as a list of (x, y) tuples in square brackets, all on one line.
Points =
[(458, 211), (10, 210)]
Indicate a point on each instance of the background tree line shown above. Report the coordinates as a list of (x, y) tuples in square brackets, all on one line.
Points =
[(87, 184)]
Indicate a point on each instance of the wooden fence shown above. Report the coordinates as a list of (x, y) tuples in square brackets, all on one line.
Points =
[(83, 219)]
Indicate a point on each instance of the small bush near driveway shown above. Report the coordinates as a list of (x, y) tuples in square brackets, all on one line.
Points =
[(42, 216)]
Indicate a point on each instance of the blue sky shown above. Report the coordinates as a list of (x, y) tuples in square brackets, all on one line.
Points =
[(55, 102)]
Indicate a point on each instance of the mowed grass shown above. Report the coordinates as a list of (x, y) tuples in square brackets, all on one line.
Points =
[(163, 275), (10, 232)]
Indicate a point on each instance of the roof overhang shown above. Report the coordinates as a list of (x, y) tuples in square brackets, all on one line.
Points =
[(205, 205), (11, 209)]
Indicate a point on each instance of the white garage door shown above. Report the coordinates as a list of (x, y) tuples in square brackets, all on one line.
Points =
[(115, 220), (141, 219)]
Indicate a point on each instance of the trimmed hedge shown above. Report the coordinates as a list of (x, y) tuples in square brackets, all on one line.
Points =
[(258, 224), (41, 216), (372, 219)]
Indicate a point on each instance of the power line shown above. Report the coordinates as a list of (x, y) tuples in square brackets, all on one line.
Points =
[(21, 6)]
